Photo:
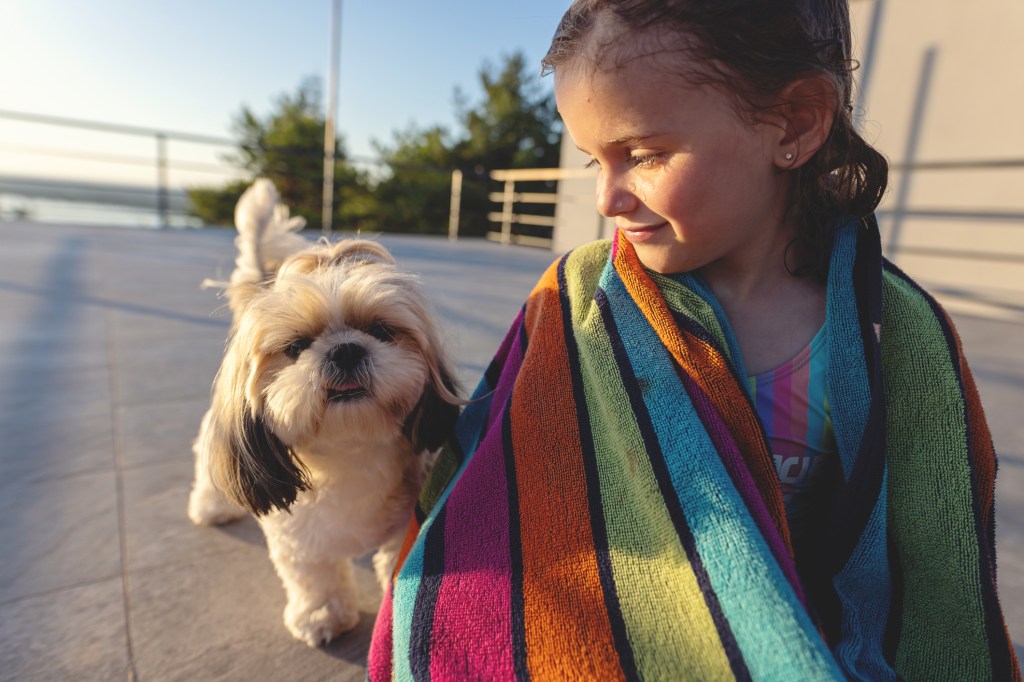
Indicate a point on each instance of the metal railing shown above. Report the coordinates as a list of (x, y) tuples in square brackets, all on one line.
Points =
[(160, 161), (509, 198), (164, 198)]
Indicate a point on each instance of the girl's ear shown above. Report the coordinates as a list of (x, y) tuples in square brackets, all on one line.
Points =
[(807, 107)]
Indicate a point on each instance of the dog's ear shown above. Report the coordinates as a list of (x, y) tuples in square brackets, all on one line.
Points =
[(268, 474), (246, 461), (240, 295), (432, 422)]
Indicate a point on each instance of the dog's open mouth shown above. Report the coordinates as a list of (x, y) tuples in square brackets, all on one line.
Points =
[(347, 390)]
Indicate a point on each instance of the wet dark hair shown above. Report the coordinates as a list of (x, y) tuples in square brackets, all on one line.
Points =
[(754, 49)]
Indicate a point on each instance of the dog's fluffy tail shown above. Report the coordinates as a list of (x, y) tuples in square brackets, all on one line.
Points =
[(266, 236), (266, 233)]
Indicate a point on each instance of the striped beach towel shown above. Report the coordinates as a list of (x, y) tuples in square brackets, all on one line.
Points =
[(609, 508)]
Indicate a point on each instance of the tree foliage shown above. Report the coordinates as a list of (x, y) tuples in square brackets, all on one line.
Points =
[(216, 206), (287, 146), (514, 124)]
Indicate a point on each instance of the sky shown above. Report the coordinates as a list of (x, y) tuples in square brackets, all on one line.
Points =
[(192, 65)]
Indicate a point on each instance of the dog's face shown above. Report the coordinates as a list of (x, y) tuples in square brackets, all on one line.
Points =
[(338, 349)]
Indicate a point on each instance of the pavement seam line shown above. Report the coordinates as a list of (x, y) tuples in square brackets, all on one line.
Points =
[(118, 445), (57, 590)]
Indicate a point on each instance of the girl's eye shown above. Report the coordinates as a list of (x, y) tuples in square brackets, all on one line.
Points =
[(645, 160), (296, 347), (381, 331), (638, 161)]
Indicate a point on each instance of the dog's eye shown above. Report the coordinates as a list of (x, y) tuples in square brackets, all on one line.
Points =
[(297, 346), (381, 331)]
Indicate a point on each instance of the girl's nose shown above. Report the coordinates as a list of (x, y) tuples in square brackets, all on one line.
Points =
[(614, 197)]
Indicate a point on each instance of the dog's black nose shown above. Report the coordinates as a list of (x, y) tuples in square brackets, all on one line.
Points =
[(347, 356)]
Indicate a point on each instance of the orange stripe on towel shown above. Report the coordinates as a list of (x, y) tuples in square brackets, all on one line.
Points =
[(568, 635)]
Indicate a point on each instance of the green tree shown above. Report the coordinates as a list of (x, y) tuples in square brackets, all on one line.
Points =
[(216, 205), (414, 194), (287, 147), (514, 125)]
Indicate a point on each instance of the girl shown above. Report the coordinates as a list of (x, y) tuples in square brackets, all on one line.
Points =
[(733, 442)]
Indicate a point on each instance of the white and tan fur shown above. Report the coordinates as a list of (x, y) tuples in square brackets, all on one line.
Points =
[(331, 397)]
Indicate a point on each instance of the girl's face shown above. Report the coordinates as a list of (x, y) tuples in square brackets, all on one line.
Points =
[(688, 183)]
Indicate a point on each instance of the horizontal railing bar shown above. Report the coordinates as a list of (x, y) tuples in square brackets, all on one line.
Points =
[(952, 214), (959, 255), (528, 174), (523, 239), (970, 164), (13, 185), (116, 128), (523, 219), (202, 166), (526, 197), (178, 135)]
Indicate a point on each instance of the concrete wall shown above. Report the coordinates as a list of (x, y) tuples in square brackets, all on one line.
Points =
[(940, 82)]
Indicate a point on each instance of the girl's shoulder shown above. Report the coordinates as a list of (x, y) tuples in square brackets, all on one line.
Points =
[(908, 306), (596, 251), (916, 330), (581, 263)]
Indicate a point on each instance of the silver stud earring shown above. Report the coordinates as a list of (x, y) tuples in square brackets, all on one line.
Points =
[(789, 156)]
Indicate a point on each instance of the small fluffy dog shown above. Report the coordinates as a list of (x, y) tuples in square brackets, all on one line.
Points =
[(330, 400)]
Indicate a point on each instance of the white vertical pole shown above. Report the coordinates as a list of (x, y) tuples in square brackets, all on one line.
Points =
[(162, 204), (456, 205), (506, 211), (332, 111)]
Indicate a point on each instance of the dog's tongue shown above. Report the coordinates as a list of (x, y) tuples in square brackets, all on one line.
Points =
[(348, 386)]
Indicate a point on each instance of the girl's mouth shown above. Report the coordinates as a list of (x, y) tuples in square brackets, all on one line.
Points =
[(642, 233)]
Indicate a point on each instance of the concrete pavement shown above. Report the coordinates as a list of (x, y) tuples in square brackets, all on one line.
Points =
[(107, 350)]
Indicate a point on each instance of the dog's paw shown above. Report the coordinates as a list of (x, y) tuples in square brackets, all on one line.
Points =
[(209, 507), (384, 565), (318, 626)]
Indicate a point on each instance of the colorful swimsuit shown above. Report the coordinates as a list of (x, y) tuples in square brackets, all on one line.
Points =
[(792, 402)]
